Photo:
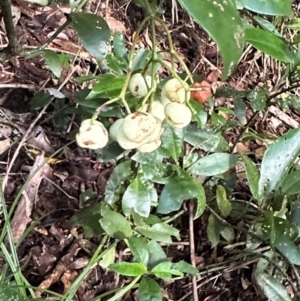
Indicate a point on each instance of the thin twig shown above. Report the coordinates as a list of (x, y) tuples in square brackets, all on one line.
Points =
[(192, 246)]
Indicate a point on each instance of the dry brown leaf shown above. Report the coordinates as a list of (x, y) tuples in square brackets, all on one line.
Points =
[(115, 25), (23, 212)]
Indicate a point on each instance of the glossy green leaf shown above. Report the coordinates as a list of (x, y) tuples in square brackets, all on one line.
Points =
[(114, 188), (227, 233), (222, 201), (139, 250), (165, 270), (272, 287), (270, 44), (179, 187), (213, 164), (108, 258), (115, 225), (156, 254), (149, 290), (213, 230), (204, 139), (141, 59), (157, 172), (138, 197), (185, 267), (116, 64), (267, 25), (119, 46), (40, 2), (53, 62), (277, 160), (252, 175), (160, 232), (93, 33), (8, 292), (258, 99), (200, 115), (291, 183), (283, 235), (269, 7), (129, 268), (107, 85), (110, 152), (295, 214), (222, 22), (172, 141), (88, 219)]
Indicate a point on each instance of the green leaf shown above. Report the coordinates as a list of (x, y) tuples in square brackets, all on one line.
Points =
[(140, 60), (8, 292), (119, 46), (240, 109), (93, 33), (290, 185), (40, 2), (165, 270), (227, 233), (52, 60), (258, 99), (277, 160), (115, 225), (222, 22), (204, 139), (272, 287), (267, 25), (213, 164), (186, 268), (108, 258), (110, 152), (282, 235), (160, 232), (129, 268), (172, 141), (108, 85), (139, 250), (138, 197), (157, 172), (213, 230), (114, 187), (270, 44), (222, 200), (116, 64), (88, 219), (156, 254), (179, 187), (252, 175), (149, 290), (269, 7)]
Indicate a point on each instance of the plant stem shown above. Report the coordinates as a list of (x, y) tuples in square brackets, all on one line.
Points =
[(13, 48)]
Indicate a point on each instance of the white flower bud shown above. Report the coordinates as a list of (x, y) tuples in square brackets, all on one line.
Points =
[(113, 130), (149, 147), (174, 91), (124, 142), (178, 115), (157, 132), (157, 110), (139, 126), (138, 85), (92, 136)]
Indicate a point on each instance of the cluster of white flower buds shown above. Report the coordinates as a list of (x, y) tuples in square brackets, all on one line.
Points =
[(141, 130)]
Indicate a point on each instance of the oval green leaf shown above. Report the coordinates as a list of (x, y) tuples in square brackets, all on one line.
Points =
[(93, 33), (270, 44), (213, 164), (115, 225), (269, 7), (149, 290), (222, 22), (128, 268), (277, 160)]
